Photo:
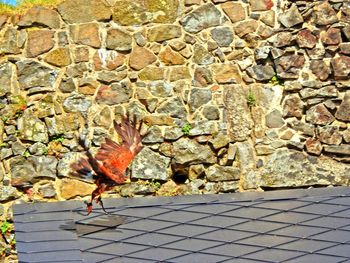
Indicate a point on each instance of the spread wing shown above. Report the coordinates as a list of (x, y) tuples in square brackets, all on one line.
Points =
[(116, 157)]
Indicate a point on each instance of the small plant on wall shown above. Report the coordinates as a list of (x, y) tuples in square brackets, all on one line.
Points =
[(8, 237), (186, 129), (251, 99)]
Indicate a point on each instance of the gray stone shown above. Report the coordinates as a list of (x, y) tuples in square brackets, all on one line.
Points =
[(274, 119), (76, 103), (222, 35), (219, 141), (343, 149), (31, 128), (239, 119), (150, 165), (62, 124), (187, 151), (245, 156), (291, 17), (343, 112), (18, 148), (6, 73), (211, 112), (201, 18), (304, 128), (44, 166), (138, 188), (9, 42), (199, 97), (5, 153), (64, 163), (154, 135), (172, 133), (161, 89), (329, 135), (251, 180), (217, 173), (34, 74), (203, 128), (261, 73), (67, 85), (118, 39), (47, 190), (262, 52), (288, 168), (174, 107), (7, 193), (38, 148), (324, 14)]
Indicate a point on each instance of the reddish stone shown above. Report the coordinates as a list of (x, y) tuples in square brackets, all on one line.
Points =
[(306, 39), (235, 11), (141, 57), (81, 54), (261, 5), (331, 37), (170, 57), (293, 106), (39, 42), (313, 146), (86, 34), (288, 66), (345, 48), (320, 69), (341, 67), (108, 59), (114, 94), (319, 115), (343, 112)]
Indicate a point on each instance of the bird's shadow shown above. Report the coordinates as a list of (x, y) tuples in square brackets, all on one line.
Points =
[(97, 223)]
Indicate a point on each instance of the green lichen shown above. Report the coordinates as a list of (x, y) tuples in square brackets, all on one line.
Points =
[(186, 128), (251, 99)]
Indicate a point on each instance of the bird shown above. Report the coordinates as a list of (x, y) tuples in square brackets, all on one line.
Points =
[(108, 166)]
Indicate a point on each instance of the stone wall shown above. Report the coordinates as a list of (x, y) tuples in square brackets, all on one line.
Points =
[(234, 95)]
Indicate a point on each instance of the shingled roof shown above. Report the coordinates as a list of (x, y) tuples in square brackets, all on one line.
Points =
[(305, 225)]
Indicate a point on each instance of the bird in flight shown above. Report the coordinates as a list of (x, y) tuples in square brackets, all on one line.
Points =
[(109, 164)]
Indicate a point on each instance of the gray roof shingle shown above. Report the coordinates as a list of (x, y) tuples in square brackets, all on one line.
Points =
[(304, 225)]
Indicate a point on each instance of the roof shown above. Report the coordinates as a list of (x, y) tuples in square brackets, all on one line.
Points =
[(305, 225)]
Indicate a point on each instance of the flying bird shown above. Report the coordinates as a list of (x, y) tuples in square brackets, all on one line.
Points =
[(109, 165)]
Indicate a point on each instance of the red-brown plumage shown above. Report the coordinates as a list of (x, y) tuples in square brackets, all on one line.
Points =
[(109, 165)]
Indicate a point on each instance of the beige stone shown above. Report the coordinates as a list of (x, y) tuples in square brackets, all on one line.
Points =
[(246, 27), (82, 11), (235, 11), (40, 15), (119, 40), (59, 57), (161, 33), (141, 57), (39, 42), (71, 188), (152, 73), (181, 72), (128, 12), (227, 73), (170, 57)]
